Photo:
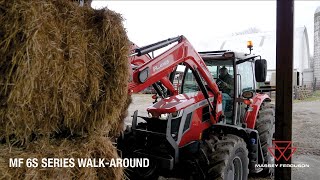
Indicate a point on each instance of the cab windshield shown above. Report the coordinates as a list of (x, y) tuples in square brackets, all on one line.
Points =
[(222, 72)]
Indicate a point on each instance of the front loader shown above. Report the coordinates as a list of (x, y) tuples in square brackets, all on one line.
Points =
[(198, 131)]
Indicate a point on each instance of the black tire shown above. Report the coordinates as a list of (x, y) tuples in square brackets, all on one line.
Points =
[(265, 127), (127, 144), (224, 153), (143, 173)]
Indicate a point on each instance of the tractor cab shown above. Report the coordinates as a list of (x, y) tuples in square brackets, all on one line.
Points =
[(237, 75)]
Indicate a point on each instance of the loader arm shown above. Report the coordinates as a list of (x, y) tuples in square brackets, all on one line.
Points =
[(159, 68), (135, 62)]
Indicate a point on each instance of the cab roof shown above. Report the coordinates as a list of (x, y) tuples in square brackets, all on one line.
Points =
[(226, 55)]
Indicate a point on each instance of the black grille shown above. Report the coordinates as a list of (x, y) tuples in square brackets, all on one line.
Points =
[(205, 113), (157, 125), (175, 124), (187, 123)]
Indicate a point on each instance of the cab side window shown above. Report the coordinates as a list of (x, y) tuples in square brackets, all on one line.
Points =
[(247, 77)]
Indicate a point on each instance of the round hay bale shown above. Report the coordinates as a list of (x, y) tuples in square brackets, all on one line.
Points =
[(124, 113), (63, 69), (95, 147)]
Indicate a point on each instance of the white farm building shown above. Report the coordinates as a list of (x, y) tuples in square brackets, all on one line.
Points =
[(264, 44)]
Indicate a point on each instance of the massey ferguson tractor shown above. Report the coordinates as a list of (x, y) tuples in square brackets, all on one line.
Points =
[(205, 128)]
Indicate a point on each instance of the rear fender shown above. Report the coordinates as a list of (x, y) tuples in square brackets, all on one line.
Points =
[(251, 116)]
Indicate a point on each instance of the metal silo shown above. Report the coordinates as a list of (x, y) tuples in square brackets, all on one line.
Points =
[(316, 54)]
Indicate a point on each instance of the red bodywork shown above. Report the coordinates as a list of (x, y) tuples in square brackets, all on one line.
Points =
[(251, 116), (159, 69), (180, 102)]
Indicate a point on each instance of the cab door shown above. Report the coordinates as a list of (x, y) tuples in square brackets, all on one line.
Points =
[(245, 82)]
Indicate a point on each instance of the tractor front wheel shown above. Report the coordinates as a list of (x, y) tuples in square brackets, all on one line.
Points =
[(227, 157)]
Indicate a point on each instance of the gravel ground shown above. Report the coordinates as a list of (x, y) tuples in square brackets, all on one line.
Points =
[(306, 137), (306, 134)]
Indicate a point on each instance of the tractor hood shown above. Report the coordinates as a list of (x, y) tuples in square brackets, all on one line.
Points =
[(176, 103)]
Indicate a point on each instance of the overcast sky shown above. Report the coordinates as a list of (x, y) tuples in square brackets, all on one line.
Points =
[(202, 21)]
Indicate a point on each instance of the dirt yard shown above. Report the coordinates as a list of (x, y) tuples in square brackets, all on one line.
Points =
[(306, 133)]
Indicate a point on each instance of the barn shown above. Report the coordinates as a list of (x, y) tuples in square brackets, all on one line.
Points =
[(264, 44)]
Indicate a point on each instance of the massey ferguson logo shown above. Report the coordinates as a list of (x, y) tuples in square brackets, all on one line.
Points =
[(158, 67), (282, 147), (286, 152)]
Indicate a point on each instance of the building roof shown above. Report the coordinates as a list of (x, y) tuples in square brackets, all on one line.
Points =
[(264, 44), (317, 10)]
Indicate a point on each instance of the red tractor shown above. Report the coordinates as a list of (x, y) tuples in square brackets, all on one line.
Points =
[(208, 128)]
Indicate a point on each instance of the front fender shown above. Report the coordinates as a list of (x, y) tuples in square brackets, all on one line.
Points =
[(251, 116)]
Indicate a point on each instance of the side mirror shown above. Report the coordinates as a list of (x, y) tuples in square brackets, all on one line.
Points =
[(260, 69), (247, 94)]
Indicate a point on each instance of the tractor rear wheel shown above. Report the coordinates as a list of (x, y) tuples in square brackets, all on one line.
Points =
[(227, 157), (265, 127)]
